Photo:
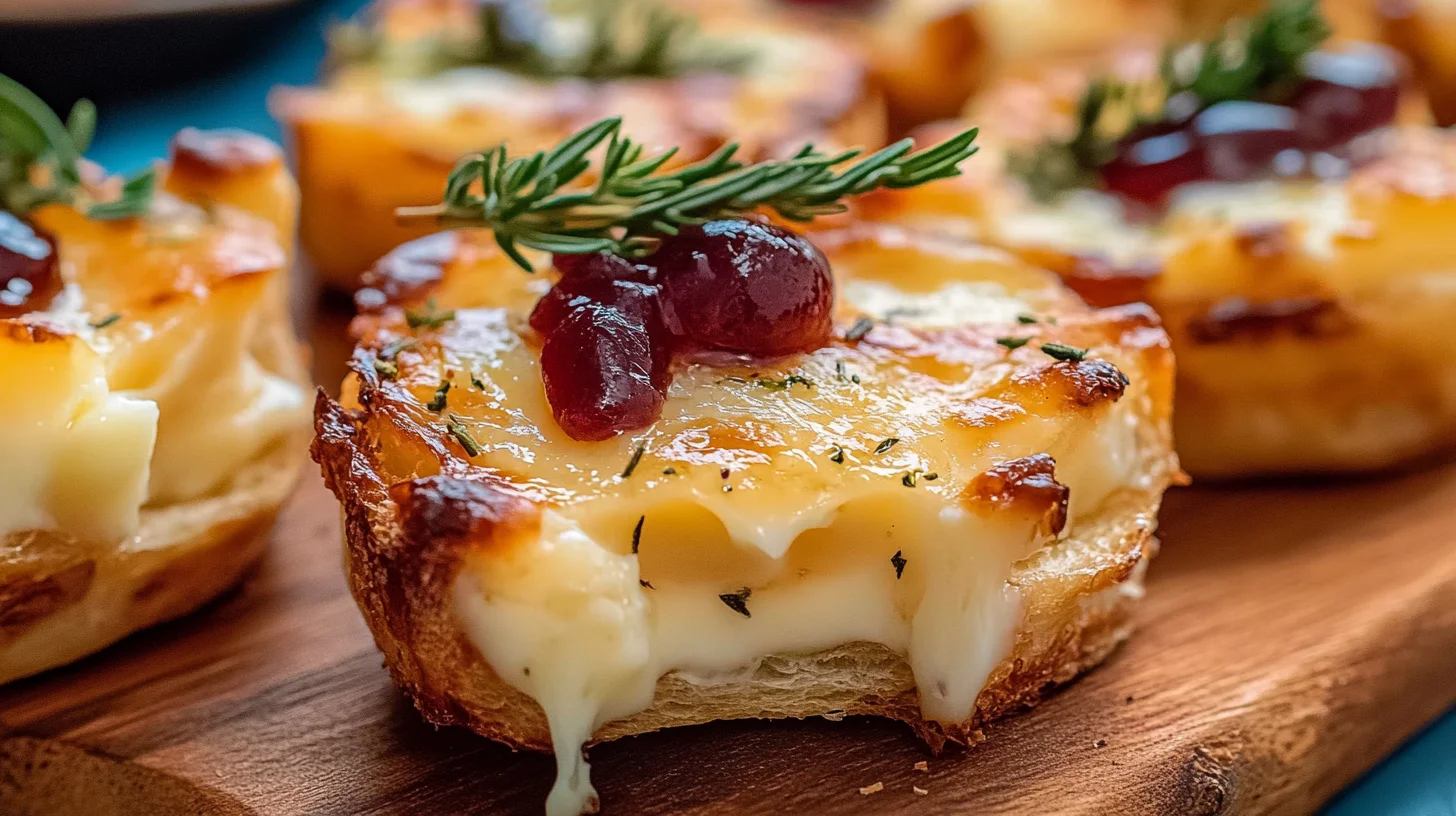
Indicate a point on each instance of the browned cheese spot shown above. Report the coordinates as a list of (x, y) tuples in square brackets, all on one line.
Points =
[(220, 153), (408, 272), (1026, 485), (1235, 319)]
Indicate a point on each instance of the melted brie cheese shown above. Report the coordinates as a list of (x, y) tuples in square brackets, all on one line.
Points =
[(737, 496), (162, 405), (77, 454)]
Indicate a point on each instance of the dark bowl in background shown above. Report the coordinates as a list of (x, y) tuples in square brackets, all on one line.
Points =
[(127, 56)]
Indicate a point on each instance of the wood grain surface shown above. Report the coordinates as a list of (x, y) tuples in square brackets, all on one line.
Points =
[(1292, 636)]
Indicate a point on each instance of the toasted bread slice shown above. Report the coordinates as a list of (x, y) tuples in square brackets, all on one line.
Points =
[(1308, 316), (918, 523), (371, 140), (154, 410)]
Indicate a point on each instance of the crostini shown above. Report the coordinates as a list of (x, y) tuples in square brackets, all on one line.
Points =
[(744, 475), (423, 82), (1288, 230), (155, 399)]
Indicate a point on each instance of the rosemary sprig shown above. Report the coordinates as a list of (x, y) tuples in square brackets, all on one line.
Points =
[(526, 201), (1248, 59), (626, 38), (1254, 59), (40, 158)]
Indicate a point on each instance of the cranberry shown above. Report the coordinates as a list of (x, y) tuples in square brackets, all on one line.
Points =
[(1152, 161), (1241, 139), (29, 273), (603, 278), (746, 287), (601, 374), (1346, 93)]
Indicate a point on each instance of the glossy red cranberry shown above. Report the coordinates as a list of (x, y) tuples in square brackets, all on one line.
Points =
[(1241, 139), (1346, 93), (745, 287), (603, 278), (601, 374), (29, 273), (1154, 160)]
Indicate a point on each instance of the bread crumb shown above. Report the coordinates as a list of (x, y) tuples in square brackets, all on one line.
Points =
[(833, 716), (1102, 743), (922, 766), (875, 788), (919, 791)]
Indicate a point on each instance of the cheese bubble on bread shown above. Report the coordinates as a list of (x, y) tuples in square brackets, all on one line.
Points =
[(914, 521)]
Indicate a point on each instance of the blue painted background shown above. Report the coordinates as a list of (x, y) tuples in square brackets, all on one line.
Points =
[(1419, 780)]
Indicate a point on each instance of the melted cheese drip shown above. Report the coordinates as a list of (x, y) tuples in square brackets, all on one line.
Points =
[(563, 618)]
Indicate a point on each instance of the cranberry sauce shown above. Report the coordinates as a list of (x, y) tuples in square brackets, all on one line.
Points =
[(29, 273), (611, 326), (1344, 95)]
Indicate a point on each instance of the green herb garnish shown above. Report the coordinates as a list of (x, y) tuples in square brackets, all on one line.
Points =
[(898, 559), (909, 479), (430, 317), (738, 601), (632, 463), (886, 444), (105, 321), (1025, 319), (837, 456), (388, 369), (625, 38), (859, 329), (40, 158), (637, 534), (1257, 59), (457, 429), (1066, 354), (442, 395), (628, 210), (1012, 343), (789, 381)]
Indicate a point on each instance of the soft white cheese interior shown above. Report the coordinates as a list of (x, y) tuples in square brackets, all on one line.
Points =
[(566, 619), (83, 456)]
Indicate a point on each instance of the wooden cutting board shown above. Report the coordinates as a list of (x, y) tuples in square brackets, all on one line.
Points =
[(1291, 637)]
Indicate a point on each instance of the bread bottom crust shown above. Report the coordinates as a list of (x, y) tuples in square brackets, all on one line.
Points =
[(60, 602)]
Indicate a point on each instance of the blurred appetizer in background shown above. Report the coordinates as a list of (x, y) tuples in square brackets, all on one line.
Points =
[(419, 83), (931, 56), (706, 469), (1425, 31), (1259, 192), (154, 398)]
